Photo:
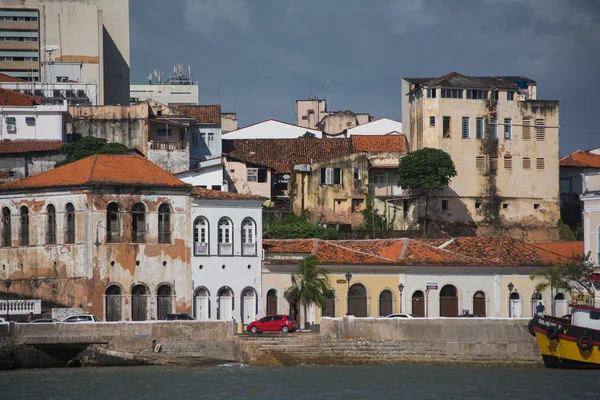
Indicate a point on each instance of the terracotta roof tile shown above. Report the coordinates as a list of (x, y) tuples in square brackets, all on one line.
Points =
[(581, 159), (208, 194), (27, 146), (283, 154), (563, 249), (7, 78), (12, 98), (380, 143), (204, 114), (100, 170)]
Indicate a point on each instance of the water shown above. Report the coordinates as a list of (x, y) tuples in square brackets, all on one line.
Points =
[(234, 381)]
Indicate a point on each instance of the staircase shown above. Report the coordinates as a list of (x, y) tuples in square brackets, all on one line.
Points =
[(281, 350)]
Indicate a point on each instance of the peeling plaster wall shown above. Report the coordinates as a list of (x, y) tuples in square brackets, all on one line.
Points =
[(28, 164), (237, 174), (173, 161), (77, 275)]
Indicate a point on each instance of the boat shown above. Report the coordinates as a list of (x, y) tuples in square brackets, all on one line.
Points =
[(571, 341)]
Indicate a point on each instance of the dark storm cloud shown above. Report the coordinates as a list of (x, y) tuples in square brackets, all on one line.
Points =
[(268, 52)]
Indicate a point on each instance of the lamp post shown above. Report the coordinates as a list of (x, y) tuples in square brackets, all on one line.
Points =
[(400, 289), (427, 303), (510, 289), (7, 283), (348, 279)]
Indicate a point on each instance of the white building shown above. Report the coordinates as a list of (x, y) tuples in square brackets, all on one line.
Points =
[(208, 175), (381, 126), (178, 89), (226, 255), (36, 122), (271, 129)]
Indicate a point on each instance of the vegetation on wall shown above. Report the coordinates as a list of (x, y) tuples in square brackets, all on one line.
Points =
[(292, 226), (567, 234), (372, 220), (88, 146), (570, 276)]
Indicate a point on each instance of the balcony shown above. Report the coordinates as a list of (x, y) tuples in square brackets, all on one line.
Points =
[(201, 249), (169, 146), (225, 249), (582, 299), (21, 307)]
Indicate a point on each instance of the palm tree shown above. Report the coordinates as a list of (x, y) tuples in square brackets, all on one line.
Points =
[(310, 285)]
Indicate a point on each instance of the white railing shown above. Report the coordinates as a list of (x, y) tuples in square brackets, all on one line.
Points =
[(169, 146), (20, 307)]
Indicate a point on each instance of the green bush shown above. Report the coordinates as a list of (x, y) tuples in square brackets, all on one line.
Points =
[(291, 226), (565, 233)]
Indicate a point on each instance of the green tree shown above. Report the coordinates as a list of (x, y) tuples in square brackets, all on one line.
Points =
[(310, 285), (308, 135), (426, 170), (372, 221), (569, 276), (292, 226), (88, 146), (565, 233)]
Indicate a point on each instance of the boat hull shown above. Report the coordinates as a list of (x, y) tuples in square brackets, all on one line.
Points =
[(562, 349)]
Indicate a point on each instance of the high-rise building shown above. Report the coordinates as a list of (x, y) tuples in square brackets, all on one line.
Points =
[(19, 43)]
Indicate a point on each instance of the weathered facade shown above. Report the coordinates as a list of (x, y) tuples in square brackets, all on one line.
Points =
[(87, 235), (22, 158)]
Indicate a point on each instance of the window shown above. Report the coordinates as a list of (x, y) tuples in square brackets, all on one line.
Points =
[(201, 237), (356, 174), (526, 129), (566, 185), (11, 121), (248, 237), (479, 129), (507, 128), (164, 223), (202, 139), (24, 233), (305, 117), (379, 179), (507, 162), (262, 175), (432, 121), (526, 163), (50, 225), (444, 205), (431, 93), (163, 132), (138, 223), (477, 94), (112, 223), (446, 127), (30, 121), (225, 239), (452, 93), (357, 205), (6, 228), (331, 176), (211, 139), (540, 164), (337, 176), (540, 130), (69, 223), (465, 128), (493, 163), (493, 128), (510, 96), (252, 175), (494, 95), (480, 163)]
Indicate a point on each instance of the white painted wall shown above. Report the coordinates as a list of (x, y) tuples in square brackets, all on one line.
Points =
[(207, 177), (378, 127), (271, 129), (48, 124), (166, 94), (201, 150), (236, 272)]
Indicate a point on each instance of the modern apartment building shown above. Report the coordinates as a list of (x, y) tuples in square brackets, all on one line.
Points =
[(19, 43)]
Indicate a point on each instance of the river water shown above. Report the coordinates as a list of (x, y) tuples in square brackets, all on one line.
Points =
[(234, 381)]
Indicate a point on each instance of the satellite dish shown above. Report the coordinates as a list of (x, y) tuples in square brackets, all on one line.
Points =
[(286, 176), (51, 47)]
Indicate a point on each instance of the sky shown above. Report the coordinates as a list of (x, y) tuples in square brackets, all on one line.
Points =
[(269, 53)]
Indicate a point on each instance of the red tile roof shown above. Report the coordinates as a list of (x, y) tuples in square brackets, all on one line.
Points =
[(100, 170), (208, 194), (581, 159), (7, 78), (12, 98), (564, 249), (27, 146), (380, 143), (283, 154), (204, 114)]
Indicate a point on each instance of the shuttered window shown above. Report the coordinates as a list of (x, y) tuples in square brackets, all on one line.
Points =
[(493, 128), (465, 128), (540, 163), (493, 163), (480, 163), (527, 163), (526, 129), (479, 128), (507, 162), (540, 130)]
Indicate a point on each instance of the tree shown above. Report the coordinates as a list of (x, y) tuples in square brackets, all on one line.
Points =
[(292, 226), (308, 135), (426, 170), (372, 221), (570, 276), (88, 146), (310, 285)]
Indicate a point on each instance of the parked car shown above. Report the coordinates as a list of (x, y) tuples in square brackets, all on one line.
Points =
[(402, 315), (273, 323), (45, 321), (472, 316), (81, 318), (179, 317)]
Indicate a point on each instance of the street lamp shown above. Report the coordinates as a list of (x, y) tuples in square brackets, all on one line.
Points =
[(427, 303), (348, 279), (7, 283), (510, 289), (400, 289)]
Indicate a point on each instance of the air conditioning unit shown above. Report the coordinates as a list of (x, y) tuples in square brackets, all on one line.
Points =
[(11, 128), (201, 248)]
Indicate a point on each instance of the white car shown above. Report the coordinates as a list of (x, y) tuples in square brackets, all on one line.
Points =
[(402, 315), (81, 318)]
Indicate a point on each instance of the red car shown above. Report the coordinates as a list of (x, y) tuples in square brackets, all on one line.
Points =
[(273, 323)]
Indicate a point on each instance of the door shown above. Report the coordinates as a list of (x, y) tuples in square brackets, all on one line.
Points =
[(418, 304), (448, 301), (385, 303), (479, 303), (561, 306), (249, 307), (329, 307), (272, 302), (139, 302), (113, 303), (515, 305), (164, 302), (357, 302), (225, 308), (202, 308)]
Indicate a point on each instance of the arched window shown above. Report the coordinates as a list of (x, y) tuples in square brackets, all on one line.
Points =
[(51, 225), (201, 237), (24, 233), (69, 223), (138, 223), (357, 300), (6, 228), (164, 223), (249, 237), (112, 223), (164, 296), (139, 303), (385, 303), (271, 302), (224, 304), (479, 303), (113, 303), (225, 239)]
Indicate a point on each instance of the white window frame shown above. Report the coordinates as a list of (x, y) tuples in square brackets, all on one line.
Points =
[(225, 238), (248, 237), (252, 175), (507, 128), (201, 245), (211, 139), (493, 128), (479, 128), (468, 126)]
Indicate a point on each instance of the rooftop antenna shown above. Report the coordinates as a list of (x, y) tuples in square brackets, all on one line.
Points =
[(310, 91), (49, 49), (218, 94), (325, 98), (150, 79), (234, 102)]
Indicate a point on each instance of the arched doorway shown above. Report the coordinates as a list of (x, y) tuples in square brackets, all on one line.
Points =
[(479, 303), (561, 305), (224, 304), (418, 303), (515, 305), (139, 303), (329, 307), (248, 306), (272, 302), (357, 300), (202, 304), (385, 303), (448, 301), (113, 303), (536, 298), (164, 296)]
